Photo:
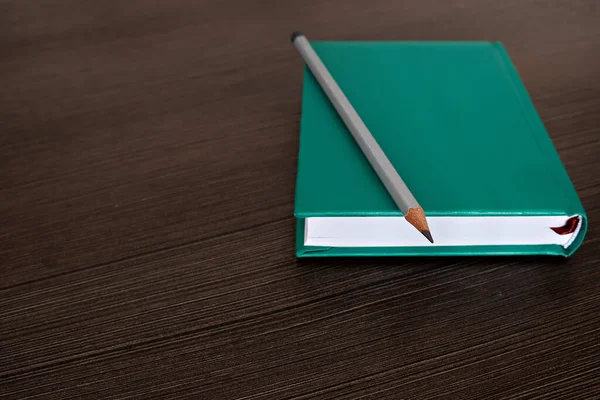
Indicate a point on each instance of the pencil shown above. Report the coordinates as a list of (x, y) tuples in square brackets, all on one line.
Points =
[(404, 199)]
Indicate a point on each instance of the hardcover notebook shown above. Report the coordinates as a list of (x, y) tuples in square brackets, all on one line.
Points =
[(458, 125)]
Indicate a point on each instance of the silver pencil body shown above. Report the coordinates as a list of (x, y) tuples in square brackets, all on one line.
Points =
[(394, 184)]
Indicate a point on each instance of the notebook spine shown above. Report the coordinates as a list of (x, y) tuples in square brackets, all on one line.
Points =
[(536, 125), (558, 174)]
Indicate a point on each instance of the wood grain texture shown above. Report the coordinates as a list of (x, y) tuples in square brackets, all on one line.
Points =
[(147, 166)]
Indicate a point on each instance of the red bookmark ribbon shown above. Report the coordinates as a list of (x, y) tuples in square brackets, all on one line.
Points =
[(569, 227)]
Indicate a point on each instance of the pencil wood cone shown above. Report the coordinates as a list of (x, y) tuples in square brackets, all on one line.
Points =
[(416, 217)]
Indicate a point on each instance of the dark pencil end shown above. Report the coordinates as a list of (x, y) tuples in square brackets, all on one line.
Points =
[(295, 35), (427, 234)]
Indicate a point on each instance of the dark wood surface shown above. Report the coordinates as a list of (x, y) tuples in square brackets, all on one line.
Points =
[(147, 166)]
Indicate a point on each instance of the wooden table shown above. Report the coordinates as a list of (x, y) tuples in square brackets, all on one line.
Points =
[(148, 157)]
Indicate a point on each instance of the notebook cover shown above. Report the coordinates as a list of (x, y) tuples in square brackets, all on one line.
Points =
[(457, 123)]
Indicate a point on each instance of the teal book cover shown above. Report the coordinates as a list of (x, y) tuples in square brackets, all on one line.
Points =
[(457, 123)]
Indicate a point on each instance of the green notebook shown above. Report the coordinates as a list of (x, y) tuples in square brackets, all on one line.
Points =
[(458, 125)]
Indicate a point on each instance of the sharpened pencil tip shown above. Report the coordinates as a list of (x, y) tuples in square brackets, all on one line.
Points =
[(427, 234), (416, 217)]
